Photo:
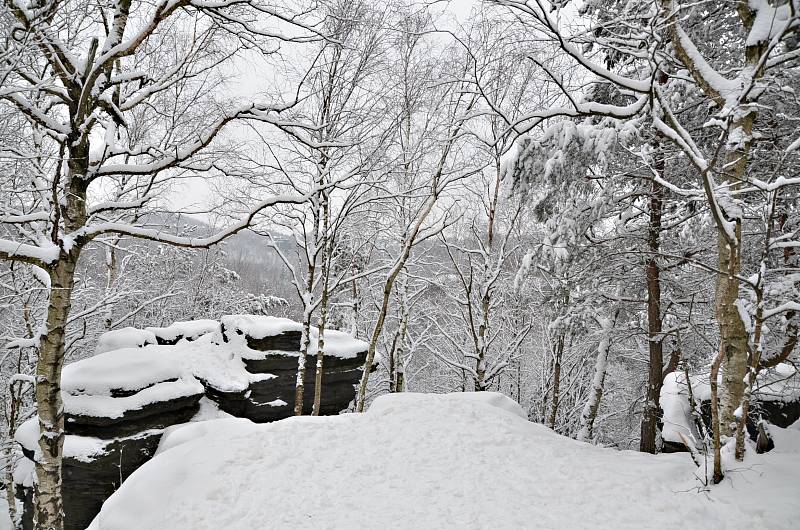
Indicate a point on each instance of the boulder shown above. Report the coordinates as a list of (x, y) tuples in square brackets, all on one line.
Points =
[(118, 403), (776, 401), (190, 330)]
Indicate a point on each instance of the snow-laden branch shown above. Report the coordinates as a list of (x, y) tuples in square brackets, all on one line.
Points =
[(540, 11), (41, 256), (578, 109), (263, 113), (787, 306)]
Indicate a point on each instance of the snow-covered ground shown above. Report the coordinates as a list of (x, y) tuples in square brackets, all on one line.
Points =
[(5, 520), (463, 461)]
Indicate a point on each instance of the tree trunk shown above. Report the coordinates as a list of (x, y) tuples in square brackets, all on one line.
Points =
[(323, 309), (49, 512), (373, 343), (320, 358), (655, 343), (399, 365), (401, 378), (556, 381), (596, 393), (715, 424), (299, 387), (733, 334)]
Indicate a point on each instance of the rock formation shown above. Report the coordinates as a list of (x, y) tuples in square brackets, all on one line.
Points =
[(118, 402)]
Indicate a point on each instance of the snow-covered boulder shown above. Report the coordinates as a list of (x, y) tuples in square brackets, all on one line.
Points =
[(269, 347), (127, 391), (118, 403), (776, 400), (190, 330), (124, 338), (431, 461), (262, 333), (92, 468)]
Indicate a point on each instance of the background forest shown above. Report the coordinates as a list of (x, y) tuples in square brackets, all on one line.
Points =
[(562, 202)]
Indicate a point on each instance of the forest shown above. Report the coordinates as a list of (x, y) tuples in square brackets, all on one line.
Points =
[(581, 213)]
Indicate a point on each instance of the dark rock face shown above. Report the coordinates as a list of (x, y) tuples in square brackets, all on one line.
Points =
[(25, 497), (780, 413), (88, 484), (286, 341), (152, 416), (262, 401), (133, 437)]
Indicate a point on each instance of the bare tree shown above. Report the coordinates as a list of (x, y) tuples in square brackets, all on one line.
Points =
[(116, 103)]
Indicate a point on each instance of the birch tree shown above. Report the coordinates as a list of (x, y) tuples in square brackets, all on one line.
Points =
[(431, 126), (80, 77)]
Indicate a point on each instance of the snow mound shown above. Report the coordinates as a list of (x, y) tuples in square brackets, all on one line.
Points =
[(337, 343), (678, 414), (116, 407), (127, 369), (190, 330), (259, 326), (428, 461), (124, 338)]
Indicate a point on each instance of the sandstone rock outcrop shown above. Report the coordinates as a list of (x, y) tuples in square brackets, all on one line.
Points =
[(118, 403)]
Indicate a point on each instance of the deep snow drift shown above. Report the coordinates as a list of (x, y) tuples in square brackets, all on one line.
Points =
[(436, 461)]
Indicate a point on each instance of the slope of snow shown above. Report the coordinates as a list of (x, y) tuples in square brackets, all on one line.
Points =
[(434, 461)]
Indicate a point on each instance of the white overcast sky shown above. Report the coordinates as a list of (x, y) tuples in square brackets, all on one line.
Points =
[(247, 80)]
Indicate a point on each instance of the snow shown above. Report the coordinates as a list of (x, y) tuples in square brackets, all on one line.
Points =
[(258, 326), (209, 411), (152, 373), (764, 484), (116, 407), (776, 384), (128, 369), (131, 363), (191, 330), (677, 415), (215, 362), (24, 473), (134, 369), (436, 461), (129, 360), (124, 338), (337, 344), (770, 21), (5, 519), (81, 448), (45, 254)]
